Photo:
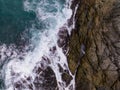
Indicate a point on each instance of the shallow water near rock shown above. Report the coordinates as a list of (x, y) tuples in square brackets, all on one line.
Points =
[(30, 55)]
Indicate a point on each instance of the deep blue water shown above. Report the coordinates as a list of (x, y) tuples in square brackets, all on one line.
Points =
[(13, 20)]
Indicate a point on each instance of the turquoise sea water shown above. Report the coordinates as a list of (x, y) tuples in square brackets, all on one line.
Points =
[(13, 20)]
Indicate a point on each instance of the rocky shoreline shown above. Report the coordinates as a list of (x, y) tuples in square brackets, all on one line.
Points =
[(94, 45)]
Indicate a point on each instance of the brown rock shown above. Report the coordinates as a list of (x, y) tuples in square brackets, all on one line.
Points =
[(98, 29)]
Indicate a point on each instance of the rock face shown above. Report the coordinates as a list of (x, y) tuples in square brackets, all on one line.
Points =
[(94, 45)]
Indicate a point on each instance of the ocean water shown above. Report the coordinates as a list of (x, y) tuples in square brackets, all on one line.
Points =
[(31, 45), (13, 20)]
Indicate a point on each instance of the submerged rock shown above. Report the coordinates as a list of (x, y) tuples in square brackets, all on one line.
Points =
[(66, 78), (48, 80)]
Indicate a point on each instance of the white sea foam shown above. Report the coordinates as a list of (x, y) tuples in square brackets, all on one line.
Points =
[(18, 69)]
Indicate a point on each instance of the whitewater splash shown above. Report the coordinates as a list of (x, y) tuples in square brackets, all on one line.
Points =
[(44, 67)]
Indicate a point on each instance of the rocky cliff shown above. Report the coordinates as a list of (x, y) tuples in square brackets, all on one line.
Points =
[(94, 45)]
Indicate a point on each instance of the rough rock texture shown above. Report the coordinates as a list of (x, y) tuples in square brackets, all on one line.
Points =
[(94, 46)]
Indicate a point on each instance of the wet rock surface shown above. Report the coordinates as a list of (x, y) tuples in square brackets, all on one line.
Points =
[(44, 80), (48, 80), (94, 45), (63, 39), (66, 78)]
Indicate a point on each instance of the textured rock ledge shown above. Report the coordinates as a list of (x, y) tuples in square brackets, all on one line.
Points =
[(94, 46)]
